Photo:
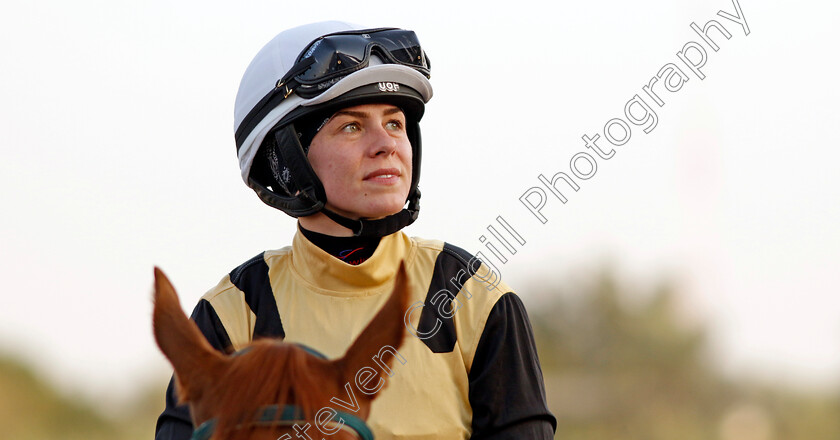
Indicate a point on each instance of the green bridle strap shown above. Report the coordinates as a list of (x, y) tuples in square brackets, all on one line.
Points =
[(291, 415)]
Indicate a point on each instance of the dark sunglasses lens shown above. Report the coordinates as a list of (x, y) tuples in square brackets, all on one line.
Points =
[(402, 45), (336, 53), (332, 55)]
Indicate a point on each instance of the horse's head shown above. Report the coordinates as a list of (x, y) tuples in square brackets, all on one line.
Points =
[(236, 391)]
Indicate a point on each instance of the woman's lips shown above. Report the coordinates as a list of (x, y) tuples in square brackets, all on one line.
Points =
[(383, 175)]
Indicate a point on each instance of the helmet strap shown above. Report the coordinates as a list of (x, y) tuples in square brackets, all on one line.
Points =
[(383, 226)]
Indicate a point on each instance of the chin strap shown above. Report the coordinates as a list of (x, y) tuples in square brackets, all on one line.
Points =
[(380, 227)]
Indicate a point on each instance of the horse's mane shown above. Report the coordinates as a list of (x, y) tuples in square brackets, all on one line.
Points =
[(271, 373)]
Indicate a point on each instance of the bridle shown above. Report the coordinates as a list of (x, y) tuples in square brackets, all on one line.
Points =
[(289, 416)]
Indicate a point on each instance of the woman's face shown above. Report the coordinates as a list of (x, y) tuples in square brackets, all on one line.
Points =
[(363, 157)]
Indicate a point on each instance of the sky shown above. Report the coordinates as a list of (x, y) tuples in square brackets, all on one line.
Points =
[(117, 154)]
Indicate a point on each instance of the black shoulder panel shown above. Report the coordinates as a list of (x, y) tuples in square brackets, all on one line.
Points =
[(507, 394), (252, 278), (211, 326), (436, 319)]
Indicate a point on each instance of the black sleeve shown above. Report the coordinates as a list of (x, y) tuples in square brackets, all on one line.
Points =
[(175, 423), (507, 393)]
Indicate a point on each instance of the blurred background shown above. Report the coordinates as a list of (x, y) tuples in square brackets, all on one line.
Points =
[(687, 290)]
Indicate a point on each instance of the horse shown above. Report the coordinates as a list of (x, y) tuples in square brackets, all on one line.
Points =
[(276, 390)]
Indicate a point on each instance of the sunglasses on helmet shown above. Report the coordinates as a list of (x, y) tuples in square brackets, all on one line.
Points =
[(331, 57)]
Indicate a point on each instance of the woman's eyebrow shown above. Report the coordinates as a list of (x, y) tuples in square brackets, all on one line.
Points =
[(358, 114), (392, 110), (354, 114)]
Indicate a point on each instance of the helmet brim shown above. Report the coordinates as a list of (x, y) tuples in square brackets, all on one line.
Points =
[(407, 99), (384, 73)]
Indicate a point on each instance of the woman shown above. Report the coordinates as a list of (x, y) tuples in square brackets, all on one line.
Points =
[(327, 130)]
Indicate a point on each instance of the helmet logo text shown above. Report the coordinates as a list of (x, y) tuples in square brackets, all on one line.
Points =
[(389, 87)]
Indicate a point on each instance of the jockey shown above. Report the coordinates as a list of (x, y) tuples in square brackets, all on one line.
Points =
[(327, 130)]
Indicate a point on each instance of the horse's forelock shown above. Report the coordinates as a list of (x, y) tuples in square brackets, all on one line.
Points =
[(270, 373)]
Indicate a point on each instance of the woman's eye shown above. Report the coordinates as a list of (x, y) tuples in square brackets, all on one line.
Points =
[(394, 125), (351, 128)]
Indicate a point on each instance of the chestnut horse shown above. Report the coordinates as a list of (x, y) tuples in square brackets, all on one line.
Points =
[(276, 390)]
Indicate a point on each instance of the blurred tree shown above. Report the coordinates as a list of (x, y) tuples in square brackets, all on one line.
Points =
[(624, 364), (31, 410)]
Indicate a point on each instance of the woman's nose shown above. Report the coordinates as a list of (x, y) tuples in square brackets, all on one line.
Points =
[(382, 141)]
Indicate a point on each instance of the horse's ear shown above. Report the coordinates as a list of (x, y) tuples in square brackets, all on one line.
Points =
[(196, 363), (370, 359)]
